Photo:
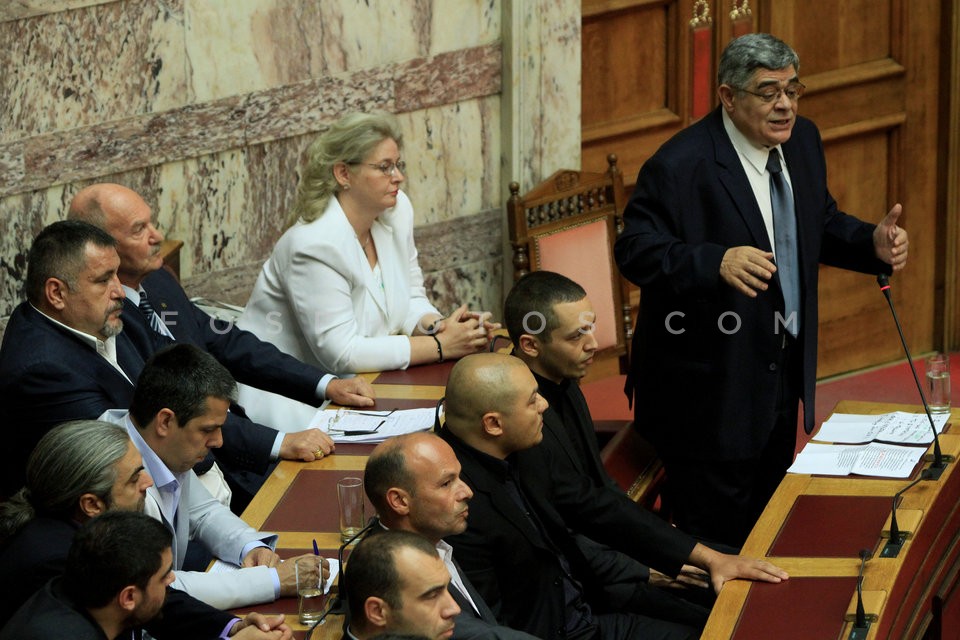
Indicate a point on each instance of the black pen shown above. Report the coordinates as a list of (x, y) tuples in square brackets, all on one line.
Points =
[(363, 432)]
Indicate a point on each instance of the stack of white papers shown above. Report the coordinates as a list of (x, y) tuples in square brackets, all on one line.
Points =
[(875, 458), (345, 425)]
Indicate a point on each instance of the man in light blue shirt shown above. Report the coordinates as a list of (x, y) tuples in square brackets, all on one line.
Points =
[(178, 408)]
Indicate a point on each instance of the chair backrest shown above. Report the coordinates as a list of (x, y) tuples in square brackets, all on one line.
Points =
[(568, 224)]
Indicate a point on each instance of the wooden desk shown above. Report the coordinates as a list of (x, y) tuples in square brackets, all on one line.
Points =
[(279, 505), (822, 522)]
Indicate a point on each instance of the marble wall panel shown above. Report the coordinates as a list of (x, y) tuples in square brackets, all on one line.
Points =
[(462, 261), (273, 172), (129, 144), (232, 122), (78, 68), (449, 151), (18, 9), (21, 218), (203, 201), (206, 112), (259, 44)]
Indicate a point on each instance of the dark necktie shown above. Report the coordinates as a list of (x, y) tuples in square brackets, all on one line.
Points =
[(785, 240), (153, 320)]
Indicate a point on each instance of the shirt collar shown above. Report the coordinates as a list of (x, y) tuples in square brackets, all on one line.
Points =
[(100, 346), (163, 478), (550, 390), (755, 156), (499, 468), (133, 295)]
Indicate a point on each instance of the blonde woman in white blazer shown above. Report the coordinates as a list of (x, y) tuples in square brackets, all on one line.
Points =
[(343, 289)]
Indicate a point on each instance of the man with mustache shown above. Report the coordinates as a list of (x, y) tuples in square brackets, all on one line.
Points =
[(724, 234), (152, 292), (63, 355)]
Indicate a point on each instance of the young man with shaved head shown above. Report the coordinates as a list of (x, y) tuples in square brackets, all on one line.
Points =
[(414, 483), (517, 549)]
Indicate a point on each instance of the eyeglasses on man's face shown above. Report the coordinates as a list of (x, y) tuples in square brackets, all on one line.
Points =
[(388, 169), (772, 93)]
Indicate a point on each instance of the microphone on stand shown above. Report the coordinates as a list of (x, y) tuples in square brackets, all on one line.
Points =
[(939, 460), (861, 622), (898, 539)]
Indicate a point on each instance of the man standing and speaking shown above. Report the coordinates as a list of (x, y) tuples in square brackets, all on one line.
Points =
[(724, 234)]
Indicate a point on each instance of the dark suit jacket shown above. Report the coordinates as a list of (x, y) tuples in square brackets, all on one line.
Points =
[(570, 440), (49, 376), (468, 625), (569, 432), (38, 552), (701, 391), (517, 569), (250, 360)]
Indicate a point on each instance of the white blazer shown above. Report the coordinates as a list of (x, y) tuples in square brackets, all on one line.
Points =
[(317, 298)]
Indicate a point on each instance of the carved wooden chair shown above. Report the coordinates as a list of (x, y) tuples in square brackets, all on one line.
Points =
[(568, 224)]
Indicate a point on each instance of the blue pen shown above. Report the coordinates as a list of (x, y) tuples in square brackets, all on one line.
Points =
[(316, 549)]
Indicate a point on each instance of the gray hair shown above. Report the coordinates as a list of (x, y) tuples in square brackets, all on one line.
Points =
[(349, 140), (70, 460), (753, 51)]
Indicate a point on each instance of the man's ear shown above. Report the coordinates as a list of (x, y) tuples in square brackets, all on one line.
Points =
[(377, 611), (55, 291), (128, 598), (164, 422), (492, 424), (90, 505), (398, 500), (725, 93), (529, 345)]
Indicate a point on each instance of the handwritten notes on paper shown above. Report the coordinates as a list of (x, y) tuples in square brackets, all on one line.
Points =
[(897, 426), (849, 455)]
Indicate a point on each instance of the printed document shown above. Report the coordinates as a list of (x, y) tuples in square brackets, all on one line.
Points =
[(874, 459)]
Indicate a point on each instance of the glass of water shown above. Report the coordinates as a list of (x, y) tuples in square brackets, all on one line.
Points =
[(938, 382)]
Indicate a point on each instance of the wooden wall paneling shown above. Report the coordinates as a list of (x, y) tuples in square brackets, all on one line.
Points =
[(634, 69), (869, 94), (871, 67), (919, 48), (947, 289)]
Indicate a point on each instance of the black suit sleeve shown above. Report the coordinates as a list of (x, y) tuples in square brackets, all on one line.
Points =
[(604, 514), (469, 627), (246, 444), (250, 360), (186, 618)]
